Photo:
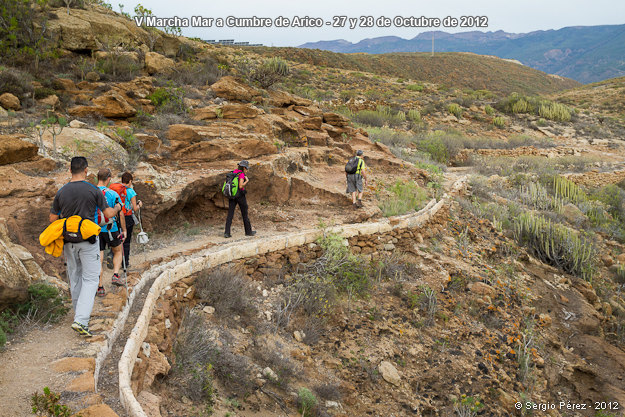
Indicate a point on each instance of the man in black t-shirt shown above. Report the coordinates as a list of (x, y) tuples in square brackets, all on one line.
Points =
[(80, 197)]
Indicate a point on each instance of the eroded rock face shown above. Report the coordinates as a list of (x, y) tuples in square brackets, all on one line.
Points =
[(14, 149), (111, 105)]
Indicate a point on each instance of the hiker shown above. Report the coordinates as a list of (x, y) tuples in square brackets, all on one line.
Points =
[(110, 235), (80, 197), (355, 172), (131, 206), (241, 200)]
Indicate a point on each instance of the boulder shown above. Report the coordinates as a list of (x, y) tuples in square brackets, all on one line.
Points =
[(99, 149), (284, 99), (92, 77), (52, 101), (156, 63), (14, 278), (312, 123), (151, 144), (317, 138), (573, 214), (64, 84), (239, 111), (3, 113), (389, 373), (481, 288), (10, 102), (206, 113), (157, 365), (71, 32), (98, 410), (231, 89), (111, 105), (335, 119), (150, 403), (14, 149), (77, 124)]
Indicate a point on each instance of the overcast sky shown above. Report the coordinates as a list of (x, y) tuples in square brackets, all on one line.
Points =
[(514, 16)]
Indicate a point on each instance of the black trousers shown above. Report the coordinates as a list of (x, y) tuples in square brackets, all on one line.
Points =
[(241, 200), (130, 224)]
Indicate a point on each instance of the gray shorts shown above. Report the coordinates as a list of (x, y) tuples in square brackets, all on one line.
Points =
[(354, 183)]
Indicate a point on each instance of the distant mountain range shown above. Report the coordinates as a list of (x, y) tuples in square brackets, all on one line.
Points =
[(583, 53)]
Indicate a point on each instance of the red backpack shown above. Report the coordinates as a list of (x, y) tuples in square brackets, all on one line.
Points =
[(121, 190), (102, 219)]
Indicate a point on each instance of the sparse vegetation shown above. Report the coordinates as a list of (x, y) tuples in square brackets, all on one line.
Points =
[(306, 402), (404, 198), (516, 103), (226, 289), (48, 404)]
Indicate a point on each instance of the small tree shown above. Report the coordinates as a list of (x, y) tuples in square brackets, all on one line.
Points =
[(56, 126), (40, 130), (68, 3)]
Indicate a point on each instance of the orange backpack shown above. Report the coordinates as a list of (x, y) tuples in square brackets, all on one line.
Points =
[(121, 190)]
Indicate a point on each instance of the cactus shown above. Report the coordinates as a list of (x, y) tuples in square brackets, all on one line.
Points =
[(455, 109), (278, 65), (414, 115), (556, 245), (499, 122), (554, 111), (567, 189)]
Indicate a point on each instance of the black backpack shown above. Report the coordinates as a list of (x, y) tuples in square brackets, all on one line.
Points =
[(352, 165), (231, 186), (71, 237)]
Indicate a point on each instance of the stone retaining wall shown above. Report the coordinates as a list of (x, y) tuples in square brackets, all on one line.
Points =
[(370, 237)]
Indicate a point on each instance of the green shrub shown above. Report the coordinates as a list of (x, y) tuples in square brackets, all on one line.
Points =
[(169, 99), (3, 337), (404, 198), (382, 116), (556, 245), (455, 109), (44, 305), (614, 199), (554, 111), (47, 404), (414, 115), (43, 92), (436, 148), (415, 87), (516, 103), (499, 122), (133, 146), (489, 110), (565, 188), (306, 402)]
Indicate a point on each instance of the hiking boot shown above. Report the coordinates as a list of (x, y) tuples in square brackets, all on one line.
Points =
[(355, 205), (116, 280), (100, 292), (227, 235), (81, 329), (252, 233), (359, 203)]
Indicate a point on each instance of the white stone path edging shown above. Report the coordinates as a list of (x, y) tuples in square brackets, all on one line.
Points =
[(181, 268)]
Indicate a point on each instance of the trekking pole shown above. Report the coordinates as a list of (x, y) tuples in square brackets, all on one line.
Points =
[(119, 228)]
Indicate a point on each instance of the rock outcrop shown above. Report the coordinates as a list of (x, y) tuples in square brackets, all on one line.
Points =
[(13, 149)]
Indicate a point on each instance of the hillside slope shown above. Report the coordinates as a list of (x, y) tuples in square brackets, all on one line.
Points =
[(584, 53), (461, 70)]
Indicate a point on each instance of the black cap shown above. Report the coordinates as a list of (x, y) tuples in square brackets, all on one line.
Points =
[(244, 164), (359, 152)]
